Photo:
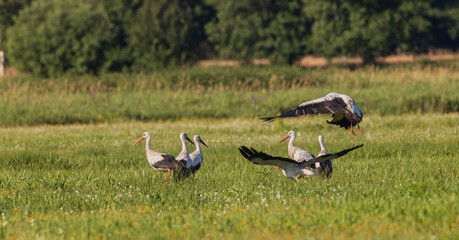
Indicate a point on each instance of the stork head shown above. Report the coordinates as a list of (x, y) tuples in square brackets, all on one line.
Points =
[(144, 135), (184, 137), (291, 134), (197, 138), (351, 103), (357, 110)]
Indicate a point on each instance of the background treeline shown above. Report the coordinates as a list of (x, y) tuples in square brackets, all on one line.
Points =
[(55, 37)]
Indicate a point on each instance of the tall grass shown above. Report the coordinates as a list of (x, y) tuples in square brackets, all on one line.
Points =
[(88, 181), (218, 92)]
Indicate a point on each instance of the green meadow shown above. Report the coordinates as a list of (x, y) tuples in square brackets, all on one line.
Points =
[(220, 93), (69, 169)]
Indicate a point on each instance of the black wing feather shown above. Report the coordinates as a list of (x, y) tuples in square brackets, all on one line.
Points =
[(253, 156), (332, 156), (342, 119), (325, 169), (326, 106), (195, 168), (168, 162)]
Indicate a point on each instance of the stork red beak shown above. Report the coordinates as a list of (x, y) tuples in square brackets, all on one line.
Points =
[(284, 138), (203, 143), (189, 140), (140, 139)]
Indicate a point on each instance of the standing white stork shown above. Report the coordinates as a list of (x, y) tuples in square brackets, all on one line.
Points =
[(294, 152), (197, 156), (345, 113), (290, 168), (160, 161), (183, 156), (324, 168)]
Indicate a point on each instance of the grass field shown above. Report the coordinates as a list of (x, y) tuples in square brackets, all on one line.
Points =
[(69, 170), (244, 92), (88, 181)]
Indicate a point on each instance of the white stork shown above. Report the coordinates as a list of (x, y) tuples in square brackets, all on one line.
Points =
[(160, 161), (324, 168), (183, 156), (290, 168), (294, 152), (345, 113), (196, 156)]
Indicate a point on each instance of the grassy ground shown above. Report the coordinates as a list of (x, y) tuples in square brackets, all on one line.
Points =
[(243, 92), (88, 181)]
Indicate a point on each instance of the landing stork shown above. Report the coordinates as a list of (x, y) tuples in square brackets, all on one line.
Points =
[(290, 168), (160, 161), (345, 113)]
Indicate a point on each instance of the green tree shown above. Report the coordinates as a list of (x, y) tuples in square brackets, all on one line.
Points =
[(259, 28), (55, 37), (428, 24), (374, 28), (118, 56), (363, 28), (165, 33), (8, 10)]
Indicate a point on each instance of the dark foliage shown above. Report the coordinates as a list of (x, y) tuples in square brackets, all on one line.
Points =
[(57, 37)]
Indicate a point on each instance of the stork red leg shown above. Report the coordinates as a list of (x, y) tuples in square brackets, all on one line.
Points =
[(276, 169), (352, 115), (167, 175), (352, 132), (302, 116), (360, 130)]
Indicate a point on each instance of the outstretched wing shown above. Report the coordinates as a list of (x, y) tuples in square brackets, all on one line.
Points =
[(262, 158), (324, 105), (332, 156)]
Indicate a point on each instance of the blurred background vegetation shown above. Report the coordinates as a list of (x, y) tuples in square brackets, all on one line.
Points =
[(51, 38)]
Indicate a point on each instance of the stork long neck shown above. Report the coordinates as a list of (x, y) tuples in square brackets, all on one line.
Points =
[(185, 152), (290, 143), (198, 146), (184, 148), (147, 144), (323, 149)]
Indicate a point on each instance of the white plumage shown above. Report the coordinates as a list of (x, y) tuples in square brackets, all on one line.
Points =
[(160, 161), (196, 156)]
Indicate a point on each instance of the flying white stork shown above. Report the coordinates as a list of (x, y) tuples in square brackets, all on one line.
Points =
[(196, 156), (290, 168), (160, 161), (345, 113)]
